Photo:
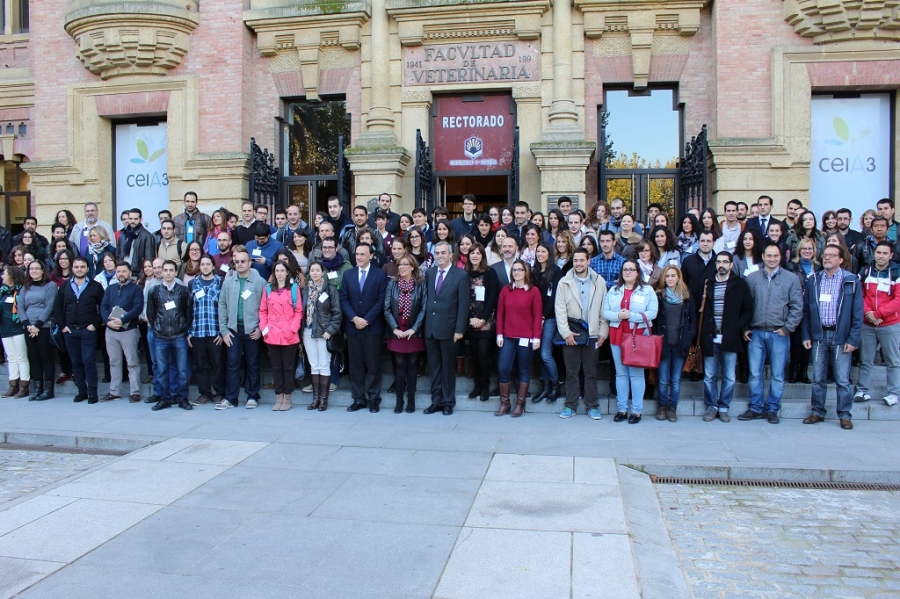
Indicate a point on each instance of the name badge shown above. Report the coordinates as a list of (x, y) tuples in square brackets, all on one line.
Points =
[(256, 253), (673, 262), (169, 305), (479, 293), (884, 287), (523, 342), (190, 230), (247, 293), (10, 300), (752, 268), (224, 268), (549, 291), (718, 339), (332, 275), (85, 232), (200, 294), (265, 331), (824, 297), (323, 297), (731, 245), (638, 299)]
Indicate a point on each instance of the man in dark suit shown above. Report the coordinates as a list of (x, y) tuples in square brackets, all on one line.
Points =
[(761, 222), (447, 308), (362, 301), (508, 249)]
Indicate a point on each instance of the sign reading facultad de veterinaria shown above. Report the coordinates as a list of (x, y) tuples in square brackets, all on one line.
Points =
[(507, 61)]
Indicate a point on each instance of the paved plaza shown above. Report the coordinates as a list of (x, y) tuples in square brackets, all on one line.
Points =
[(258, 503)]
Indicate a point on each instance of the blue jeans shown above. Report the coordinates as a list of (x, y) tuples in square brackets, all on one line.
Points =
[(551, 371), (173, 359), (671, 361), (712, 397), (242, 344), (823, 353), (158, 375), (82, 347), (511, 351), (624, 376), (776, 347)]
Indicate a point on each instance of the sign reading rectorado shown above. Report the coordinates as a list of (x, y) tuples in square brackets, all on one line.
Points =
[(471, 63)]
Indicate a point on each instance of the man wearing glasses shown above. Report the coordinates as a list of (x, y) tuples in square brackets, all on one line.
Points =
[(222, 260), (727, 310), (831, 327), (777, 311)]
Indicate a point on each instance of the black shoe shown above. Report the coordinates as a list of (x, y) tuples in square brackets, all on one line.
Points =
[(184, 404), (374, 407), (410, 404), (474, 393), (399, 407), (772, 417), (355, 406), (804, 378), (161, 405), (448, 410), (553, 393), (80, 397), (134, 398), (634, 419), (393, 387), (152, 399), (93, 400), (432, 409), (545, 391), (495, 392), (751, 415), (620, 416)]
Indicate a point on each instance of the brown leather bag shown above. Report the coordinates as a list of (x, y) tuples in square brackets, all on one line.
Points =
[(693, 364)]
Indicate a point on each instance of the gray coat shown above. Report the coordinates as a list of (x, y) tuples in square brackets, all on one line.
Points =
[(776, 305), (36, 304), (228, 302)]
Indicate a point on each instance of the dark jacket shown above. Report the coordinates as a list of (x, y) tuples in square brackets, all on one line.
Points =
[(202, 224), (173, 323), (696, 273), (864, 252), (328, 312), (487, 308), (549, 299), (129, 297), (688, 322), (392, 308), (446, 312), (368, 303), (736, 315), (74, 312), (849, 310), (142, 248)]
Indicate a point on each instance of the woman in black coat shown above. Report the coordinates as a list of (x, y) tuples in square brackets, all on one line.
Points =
[(546, 276), (676, 321), (404, 313), (484, 292)]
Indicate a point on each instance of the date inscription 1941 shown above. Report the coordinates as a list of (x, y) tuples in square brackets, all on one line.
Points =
[(443, 64)]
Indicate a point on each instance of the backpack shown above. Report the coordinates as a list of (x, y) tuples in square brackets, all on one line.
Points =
[(293, 293)]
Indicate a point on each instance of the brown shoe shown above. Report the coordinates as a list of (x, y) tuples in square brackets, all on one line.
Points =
[(110, 397), (846, 424), (672, 416), (13, 388), (201, 400), (504, 400), (661, 412), (813, 419), (520, 400), (278, 401), (23, 389), (285, 402), (63, 378)]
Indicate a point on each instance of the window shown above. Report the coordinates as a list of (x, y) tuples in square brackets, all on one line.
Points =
[(314, 130)]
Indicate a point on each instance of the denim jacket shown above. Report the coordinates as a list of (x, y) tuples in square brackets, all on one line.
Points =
[(612, 303)]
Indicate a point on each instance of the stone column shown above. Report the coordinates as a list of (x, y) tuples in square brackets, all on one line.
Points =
[(563, 116)]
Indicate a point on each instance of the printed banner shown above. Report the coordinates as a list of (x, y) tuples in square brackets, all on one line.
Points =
[(851, 150), (473, 136), (142, 179)]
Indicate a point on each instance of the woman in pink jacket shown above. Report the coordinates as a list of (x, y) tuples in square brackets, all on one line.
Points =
[(280, 314)]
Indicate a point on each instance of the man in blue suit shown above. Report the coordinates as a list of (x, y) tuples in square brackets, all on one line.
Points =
[(362, 301)]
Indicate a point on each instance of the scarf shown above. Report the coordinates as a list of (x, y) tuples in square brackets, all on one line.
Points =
[(486, 240), (646, 270), (406, 287), (99, 248), (673, 298), (14, 292), (313, 293), (528, 256), (127, 238), (192, 268), (806, 265), (333, 263), (685, 242)]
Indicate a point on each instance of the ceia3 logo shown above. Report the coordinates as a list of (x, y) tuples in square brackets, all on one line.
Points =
[(473, 147), (846, 163)]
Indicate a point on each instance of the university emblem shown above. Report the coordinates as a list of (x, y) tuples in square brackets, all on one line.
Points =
[(473, 147)]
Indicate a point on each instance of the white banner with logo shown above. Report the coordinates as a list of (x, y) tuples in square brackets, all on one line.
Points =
[(851, 153), (142, 179)]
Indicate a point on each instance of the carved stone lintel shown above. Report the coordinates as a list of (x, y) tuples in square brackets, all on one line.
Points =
[(466, 21), (843, 20)]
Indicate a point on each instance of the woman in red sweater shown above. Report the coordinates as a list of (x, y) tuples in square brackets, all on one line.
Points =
[(519, 314)]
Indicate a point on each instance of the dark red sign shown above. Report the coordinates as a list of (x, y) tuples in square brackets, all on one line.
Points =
[(473, 136)]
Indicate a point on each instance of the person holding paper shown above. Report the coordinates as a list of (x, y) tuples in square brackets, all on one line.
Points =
[(262, 250), (169, 312), (122, 305)]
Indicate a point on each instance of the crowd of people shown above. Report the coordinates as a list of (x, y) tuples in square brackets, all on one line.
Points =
[(512, 291)]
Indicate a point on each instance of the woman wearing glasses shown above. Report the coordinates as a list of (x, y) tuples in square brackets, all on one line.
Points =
[(519, 314), (626, 306)]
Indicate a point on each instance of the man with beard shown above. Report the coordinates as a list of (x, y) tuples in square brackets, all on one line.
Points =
[(136, 243)]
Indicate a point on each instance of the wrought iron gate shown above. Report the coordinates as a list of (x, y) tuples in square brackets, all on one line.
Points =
[(345, 177), (264, 178), (514, 171), (424, 189), (693, 174)]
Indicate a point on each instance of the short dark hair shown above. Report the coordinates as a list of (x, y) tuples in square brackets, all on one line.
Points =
[(79, 259), (191, 193), (562, 199), (732, 203), (281, 211), (161, 212), (727, 254), (744, 204), (655, 205), (764, 197), (258, 206), (887, 201), (261, 230), (584, 250), (420, 210), (879, 219), (361, 207), (166, 221), (522, 204), (330, 198), (469, 196), (607, 232), (442, 211), (845, 211), (137, 211), (172, 262), (773, 245), (885, 243), (28, 218), (123, 263), (706, 232), (798, 203)]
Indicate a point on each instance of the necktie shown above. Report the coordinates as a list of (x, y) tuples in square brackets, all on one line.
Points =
[(440, 281), (362, 279), (765, 229)]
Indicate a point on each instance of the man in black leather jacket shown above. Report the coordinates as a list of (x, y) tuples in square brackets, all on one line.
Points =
[(169, 312)]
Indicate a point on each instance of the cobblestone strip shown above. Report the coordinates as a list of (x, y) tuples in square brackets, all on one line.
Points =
[(755, 543), (25, 471)]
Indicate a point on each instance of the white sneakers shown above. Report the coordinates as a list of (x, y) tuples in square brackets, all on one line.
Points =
[(251, 403), (224, 405), (890, 399), (861, 396)]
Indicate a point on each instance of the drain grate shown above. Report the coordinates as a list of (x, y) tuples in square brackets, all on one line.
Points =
[(61, 449), (780, 484)]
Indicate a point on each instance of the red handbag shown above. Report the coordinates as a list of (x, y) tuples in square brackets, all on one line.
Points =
[(641, 351)]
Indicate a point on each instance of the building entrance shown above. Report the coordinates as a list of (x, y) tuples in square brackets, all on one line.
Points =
[(490, 191)]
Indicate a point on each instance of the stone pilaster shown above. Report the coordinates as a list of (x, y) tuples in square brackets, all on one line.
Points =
[(563, 165)]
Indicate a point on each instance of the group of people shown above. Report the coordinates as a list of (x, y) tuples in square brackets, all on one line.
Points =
[(206, 295)]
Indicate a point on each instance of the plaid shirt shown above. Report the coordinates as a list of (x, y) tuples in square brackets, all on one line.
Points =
[(608, 269), (830, 286), (206, 308)]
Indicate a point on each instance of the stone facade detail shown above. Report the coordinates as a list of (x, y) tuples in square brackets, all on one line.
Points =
[(149, 38), (420, 23), (643, 23), (828, 21)]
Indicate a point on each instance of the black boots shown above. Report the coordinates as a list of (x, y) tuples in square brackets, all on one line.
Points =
[(47, 391), (38, 389)]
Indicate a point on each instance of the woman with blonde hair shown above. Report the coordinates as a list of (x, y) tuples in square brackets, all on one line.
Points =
[(565, 249), (676, 321)]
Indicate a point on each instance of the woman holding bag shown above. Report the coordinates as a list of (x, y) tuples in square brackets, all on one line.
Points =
[(280, 314), (629, 306), (676, 321)]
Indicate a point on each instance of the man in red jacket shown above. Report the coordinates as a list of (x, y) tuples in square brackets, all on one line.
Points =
[(881, 323)]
